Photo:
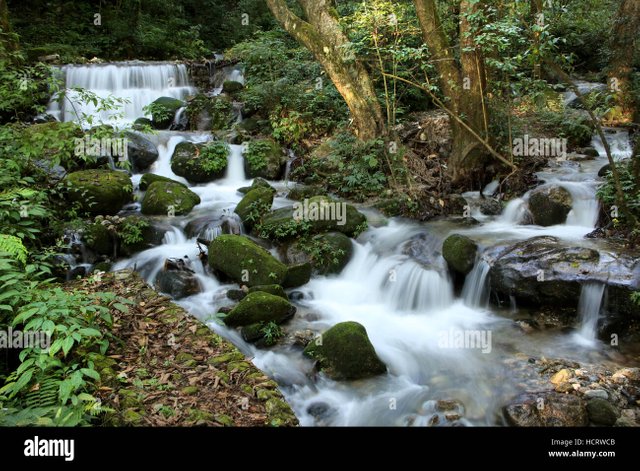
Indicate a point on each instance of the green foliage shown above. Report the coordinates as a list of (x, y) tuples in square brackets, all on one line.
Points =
[(289, 230), (257, 153), (13, 247), (323, 253), (577, 128), (213, 156), (219, 109), (271, 332), (630, 184), (131, 230), (350, 167)]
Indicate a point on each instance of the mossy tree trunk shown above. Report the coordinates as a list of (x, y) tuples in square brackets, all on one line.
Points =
[(320, 32), (623, 40), (462, 83)]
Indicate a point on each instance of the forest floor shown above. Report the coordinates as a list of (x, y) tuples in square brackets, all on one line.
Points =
[(166, 368)]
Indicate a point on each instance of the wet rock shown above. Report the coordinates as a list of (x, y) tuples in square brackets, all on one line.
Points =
[(297, 275), (165, 111), (264, 158), (200, 163), (547, 409), (254, 204), (596, 394), (99, 191), (550, 205), (604, 170), (275, 290), (490, 207), (166, 199), (602, 412), (590, 151), (149, 178), (561, 376), (236, 294), (244, 261), (257, 183), (231, 87), (177, 279), (345, 352), (460, 253), (260, 307), (142, 152), (300, 192)]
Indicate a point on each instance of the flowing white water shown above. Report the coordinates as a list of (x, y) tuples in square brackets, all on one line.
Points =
[(475, 291), (589, 308), (138, 83)]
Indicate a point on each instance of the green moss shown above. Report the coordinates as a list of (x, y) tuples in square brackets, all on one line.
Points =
[(99, 191), (460, 253), (164, 110), (160, 196), (297, 275), (259, 307), (132, 417), (254, 204), (200, 163), (149, 178), (345, 352), (224, 420), (275, 290), (231, 86), (98, 238), (257, 183), (225, 358), (279, 413), (183, 357), (189, 390), (244, 261), (264, 158)]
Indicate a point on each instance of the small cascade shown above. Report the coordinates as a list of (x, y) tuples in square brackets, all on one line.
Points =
[(235, 165), (174, 237), (180, 120), (515, 212), (585, 204), (291, 158), (475, 291), (137, 83), (619, 144), (412, 288), (589, 307)]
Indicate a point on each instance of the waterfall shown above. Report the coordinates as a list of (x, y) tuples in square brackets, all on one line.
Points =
[(138, 83), (235, 165), (619, 144), (589, 310), (475, 291), (584, 211), (412, 288), (514, 212)]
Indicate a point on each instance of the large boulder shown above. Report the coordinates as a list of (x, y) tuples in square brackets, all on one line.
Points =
[(100, 191), (257, 183), (254, 205), (200, 163), (547, 409), (142, 152), (264, 158), (545, 271), (177, 279), (245, 262), (259, 307), (460, 253), (149, 178), (328, 253), (164, 198), (164, 111), (550, 205), (345, 352), (291, 221), (297, 275)]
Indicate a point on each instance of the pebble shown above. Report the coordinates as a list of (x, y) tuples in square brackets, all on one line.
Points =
[(599, 393), (561, 376)]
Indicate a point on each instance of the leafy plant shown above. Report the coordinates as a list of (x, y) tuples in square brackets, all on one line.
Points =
[(213, 156), (271, 332)]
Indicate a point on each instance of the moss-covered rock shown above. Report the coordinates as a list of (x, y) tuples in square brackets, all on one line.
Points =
[(259, 307), (142, 123), (345, 352), (149, 178), (297, 275), (264, 158), (200, 163), (244, 261), (231, 86), (550, 205), (257, 183), (254, 205), (208, 113), (275, 290), (460, 253), (315, 215), (165, 109), (300, 192), (602, 412), (141, 151), (100, 191), (98, 238), (137, 233), (161, 197), (332, 252)]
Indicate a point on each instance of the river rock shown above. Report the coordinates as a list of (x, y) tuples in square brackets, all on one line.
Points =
[(257, 183), (99, 191), (297, 275), (166, 108), (602, 412), (280, 224), (149, 178), (550, 205), (590, 151), (254, 204), (142, 152), (490, 207), (604, 170), (196, 164), (177, 279), (547, 409), (460, 253), (164, 198), (259, 307), (345, 352), (264, 158), (245, 262), (231, 86), (275, 290)]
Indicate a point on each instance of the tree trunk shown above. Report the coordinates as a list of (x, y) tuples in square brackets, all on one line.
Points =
[(463, 88), (322, 35), (9, 44), (625, 35)]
